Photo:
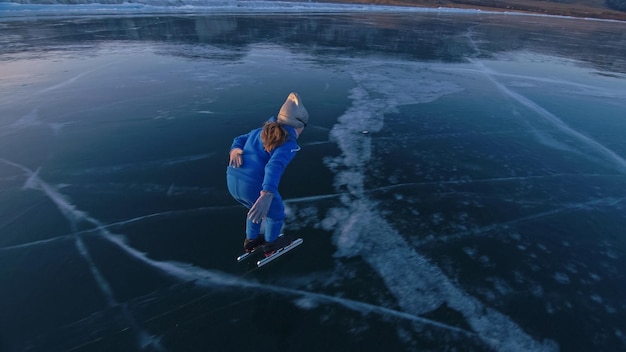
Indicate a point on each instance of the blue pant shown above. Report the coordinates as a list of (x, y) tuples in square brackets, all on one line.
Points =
[(247, 193)]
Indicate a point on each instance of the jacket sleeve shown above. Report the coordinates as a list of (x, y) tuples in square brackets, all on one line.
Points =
[(239, 141)]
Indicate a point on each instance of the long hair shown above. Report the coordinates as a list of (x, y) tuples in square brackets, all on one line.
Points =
[(273, 135)]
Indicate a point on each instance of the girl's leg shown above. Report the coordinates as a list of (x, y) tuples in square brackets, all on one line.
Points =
[(252, 229), (272, 229), (246, 194), (275, 219)]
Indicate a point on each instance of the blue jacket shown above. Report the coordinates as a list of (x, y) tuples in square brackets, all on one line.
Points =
[(260, 166)]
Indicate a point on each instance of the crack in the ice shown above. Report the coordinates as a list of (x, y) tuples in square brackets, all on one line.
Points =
[(75, 216)]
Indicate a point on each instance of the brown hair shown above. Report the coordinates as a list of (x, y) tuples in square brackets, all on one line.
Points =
[(273, 135)]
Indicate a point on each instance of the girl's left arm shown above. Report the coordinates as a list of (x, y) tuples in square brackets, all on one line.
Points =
[(239, 141), (281, 157)]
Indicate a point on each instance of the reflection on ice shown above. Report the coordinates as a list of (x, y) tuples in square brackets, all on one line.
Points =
[(482, 185)]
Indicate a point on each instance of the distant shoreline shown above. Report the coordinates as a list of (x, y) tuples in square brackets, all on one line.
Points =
[(582, 9), (588, 9)]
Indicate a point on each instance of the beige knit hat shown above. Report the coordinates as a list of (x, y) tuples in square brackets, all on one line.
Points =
[(293, 113)]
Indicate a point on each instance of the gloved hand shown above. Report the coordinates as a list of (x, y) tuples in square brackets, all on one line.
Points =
[(236, 159), (260, 208)]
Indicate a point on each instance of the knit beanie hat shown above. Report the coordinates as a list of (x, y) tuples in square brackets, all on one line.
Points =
[(293, 113)]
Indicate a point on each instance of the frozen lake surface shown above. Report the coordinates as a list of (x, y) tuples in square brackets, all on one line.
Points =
[(483, 209)]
